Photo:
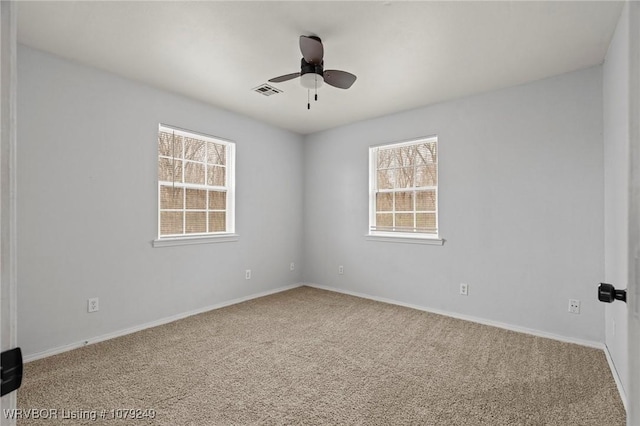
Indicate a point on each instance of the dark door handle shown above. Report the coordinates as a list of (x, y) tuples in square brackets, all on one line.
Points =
[(607, 293), (11, 370)]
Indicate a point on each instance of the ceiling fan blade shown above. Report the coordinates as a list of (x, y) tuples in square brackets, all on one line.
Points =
[(312, 50), (339, 79), (284, 77)]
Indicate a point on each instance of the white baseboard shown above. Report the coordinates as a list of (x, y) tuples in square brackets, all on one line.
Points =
[(534, 332), (588, 343), (108, 336), (616, 377)]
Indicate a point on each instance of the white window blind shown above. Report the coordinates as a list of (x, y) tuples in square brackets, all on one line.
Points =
[(195, 184), (403, 197)]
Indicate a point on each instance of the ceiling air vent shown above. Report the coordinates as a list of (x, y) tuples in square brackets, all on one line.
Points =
[(267, 90)]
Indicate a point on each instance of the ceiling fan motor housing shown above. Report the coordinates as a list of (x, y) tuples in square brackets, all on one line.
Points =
[(307, 80), (306, 67)]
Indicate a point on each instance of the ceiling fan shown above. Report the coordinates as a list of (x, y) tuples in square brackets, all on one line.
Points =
[(312, 74)]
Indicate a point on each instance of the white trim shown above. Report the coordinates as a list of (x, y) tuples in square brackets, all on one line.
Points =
[(531, 331), (228, 187), (108, 336), (162, 321), (414, 188), (616, 377), (190, 133), (192, 186), (186, 241), (408, 238), (374, 190), (407, 142), (8, 190), (230, 175)]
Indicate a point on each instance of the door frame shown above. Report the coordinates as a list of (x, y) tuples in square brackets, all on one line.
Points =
[(633, 289), (8, 254)]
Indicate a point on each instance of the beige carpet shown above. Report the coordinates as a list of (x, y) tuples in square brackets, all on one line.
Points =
[(309, 356)]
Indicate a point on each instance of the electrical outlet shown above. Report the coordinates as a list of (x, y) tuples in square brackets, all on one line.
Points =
[(93, 305), (247, 274), (574, 306), (464, 289), (340, 269), (292, 266)]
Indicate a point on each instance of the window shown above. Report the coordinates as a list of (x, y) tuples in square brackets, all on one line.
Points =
[(403, 197), (195, 185)]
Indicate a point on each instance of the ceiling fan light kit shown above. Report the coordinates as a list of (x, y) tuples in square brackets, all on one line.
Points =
[(312, 74), (311, 80)]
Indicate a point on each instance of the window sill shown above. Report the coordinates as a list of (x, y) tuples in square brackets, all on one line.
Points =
[(407, 238), (185, 241)]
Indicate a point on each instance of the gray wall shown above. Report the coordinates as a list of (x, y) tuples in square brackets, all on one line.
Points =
[(521, 195), (616, 187), (87, 209)]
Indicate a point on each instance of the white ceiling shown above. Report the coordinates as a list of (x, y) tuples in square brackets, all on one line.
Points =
[(405, 54)]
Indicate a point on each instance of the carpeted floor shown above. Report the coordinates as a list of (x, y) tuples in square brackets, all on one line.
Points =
[(308, 356)]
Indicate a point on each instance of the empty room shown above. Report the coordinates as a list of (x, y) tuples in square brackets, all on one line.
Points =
[(320, 212)]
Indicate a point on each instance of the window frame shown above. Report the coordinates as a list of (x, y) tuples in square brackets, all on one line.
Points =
[(401, 236), (229, 188)]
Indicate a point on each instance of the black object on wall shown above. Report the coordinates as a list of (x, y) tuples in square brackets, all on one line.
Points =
[(11, 370), (607, 293)]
